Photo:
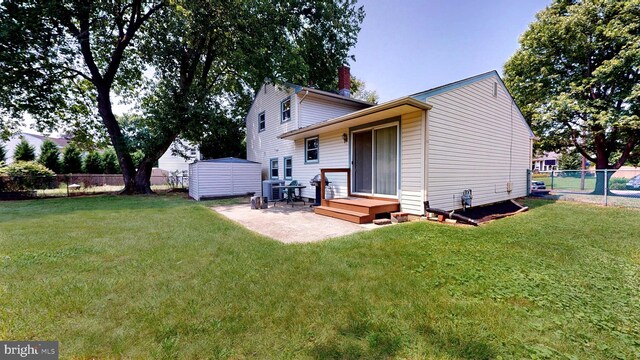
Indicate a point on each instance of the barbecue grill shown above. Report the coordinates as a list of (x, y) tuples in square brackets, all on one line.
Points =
[(316, 182)]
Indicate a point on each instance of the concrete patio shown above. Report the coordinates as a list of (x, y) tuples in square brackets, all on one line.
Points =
[(297, 224)]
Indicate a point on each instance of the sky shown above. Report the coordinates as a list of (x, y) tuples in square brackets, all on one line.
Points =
[(407, 46)]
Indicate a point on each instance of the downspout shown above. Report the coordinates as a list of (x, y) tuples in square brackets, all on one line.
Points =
[(425, 156)]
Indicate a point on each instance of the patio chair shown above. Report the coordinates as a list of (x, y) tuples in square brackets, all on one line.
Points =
[(291, 193)]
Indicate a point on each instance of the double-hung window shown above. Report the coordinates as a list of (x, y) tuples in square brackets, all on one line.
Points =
[(311, 149), (261, 122), (288, 168), (273, 168), (285, 110)]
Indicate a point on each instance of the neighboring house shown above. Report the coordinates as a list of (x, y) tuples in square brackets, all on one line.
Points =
[(547, 162), (429, 146), (178, 157), (35, 141)]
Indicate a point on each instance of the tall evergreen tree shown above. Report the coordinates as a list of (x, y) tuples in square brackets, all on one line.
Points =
[(50, 156), (72, 160), (24, 151), (93, 163), (110, 162)]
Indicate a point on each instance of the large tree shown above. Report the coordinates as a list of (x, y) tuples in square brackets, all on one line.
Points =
[(576, 76), (63, 60)]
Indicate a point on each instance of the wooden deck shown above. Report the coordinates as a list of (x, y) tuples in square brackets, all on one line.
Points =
[(357, 210)]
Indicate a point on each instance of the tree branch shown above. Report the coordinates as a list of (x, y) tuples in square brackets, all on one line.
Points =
[(629, 146), (135, 22), (77, 72), (583, 151)]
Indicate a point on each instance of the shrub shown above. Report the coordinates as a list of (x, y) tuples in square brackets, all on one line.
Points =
[(24, 151), (50, 156), (72, 160), (618, 183), (110, 162), (93, 163), (26, 175)]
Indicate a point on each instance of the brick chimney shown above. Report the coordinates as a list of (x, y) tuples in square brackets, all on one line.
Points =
[(344, 81)]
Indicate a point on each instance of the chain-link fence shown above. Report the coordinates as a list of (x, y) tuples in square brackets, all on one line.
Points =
[(606, 187), (27, 187)]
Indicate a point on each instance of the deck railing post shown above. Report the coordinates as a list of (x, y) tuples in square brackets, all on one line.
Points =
[(606, 187), (322, 183)]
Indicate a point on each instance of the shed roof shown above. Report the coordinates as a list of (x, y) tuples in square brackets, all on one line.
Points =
[(229, 160)]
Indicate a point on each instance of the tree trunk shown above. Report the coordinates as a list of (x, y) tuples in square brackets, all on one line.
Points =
[(117, 139), (600, 181), (602, 164), (142, 180)]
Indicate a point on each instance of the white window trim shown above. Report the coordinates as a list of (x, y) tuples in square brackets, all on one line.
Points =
[(317, 160)]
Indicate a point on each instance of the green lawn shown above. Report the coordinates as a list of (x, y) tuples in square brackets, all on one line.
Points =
[(163, 277), (573, 183)]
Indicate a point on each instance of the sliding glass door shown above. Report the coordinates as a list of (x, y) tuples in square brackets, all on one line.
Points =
[(362, 165), (375, 161)]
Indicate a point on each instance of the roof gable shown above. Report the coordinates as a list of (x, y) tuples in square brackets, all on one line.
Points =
[(424, 95)]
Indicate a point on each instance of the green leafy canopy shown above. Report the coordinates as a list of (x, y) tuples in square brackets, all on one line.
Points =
[(576, 77), (65, 60)]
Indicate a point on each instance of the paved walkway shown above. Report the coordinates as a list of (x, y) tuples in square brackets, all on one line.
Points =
[(288, 224)]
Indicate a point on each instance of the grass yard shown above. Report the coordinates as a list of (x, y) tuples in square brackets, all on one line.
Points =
[(567, 182), (163, 277)]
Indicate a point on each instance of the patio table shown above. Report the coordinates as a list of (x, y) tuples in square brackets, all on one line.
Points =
[(294, 187)]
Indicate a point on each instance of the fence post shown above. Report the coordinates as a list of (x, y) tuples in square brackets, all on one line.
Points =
[(552, 179), (606, 187), (528, 182), (66, 178)]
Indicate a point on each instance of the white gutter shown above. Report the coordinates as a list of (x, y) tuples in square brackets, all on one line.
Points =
[(404, 101)]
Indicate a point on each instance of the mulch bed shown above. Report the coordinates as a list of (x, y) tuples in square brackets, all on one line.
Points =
[(492, 211)]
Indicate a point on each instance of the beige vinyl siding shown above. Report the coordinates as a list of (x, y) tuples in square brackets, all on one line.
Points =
[(334, 153), (471, 143), (314, 109), (412, 163), (262, 146)]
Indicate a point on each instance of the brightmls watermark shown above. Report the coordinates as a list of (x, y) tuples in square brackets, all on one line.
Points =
[(32, 350)]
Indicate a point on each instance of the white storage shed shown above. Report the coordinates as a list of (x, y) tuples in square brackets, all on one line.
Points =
[(225, 177)]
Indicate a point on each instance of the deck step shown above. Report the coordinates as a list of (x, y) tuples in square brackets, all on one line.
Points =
[(343, 214), (365, 206)]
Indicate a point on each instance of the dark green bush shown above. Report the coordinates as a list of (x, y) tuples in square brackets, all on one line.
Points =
[(72, 160), (50, 156), (26, 175), (618, 183), (110, 162), (93, 163)]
